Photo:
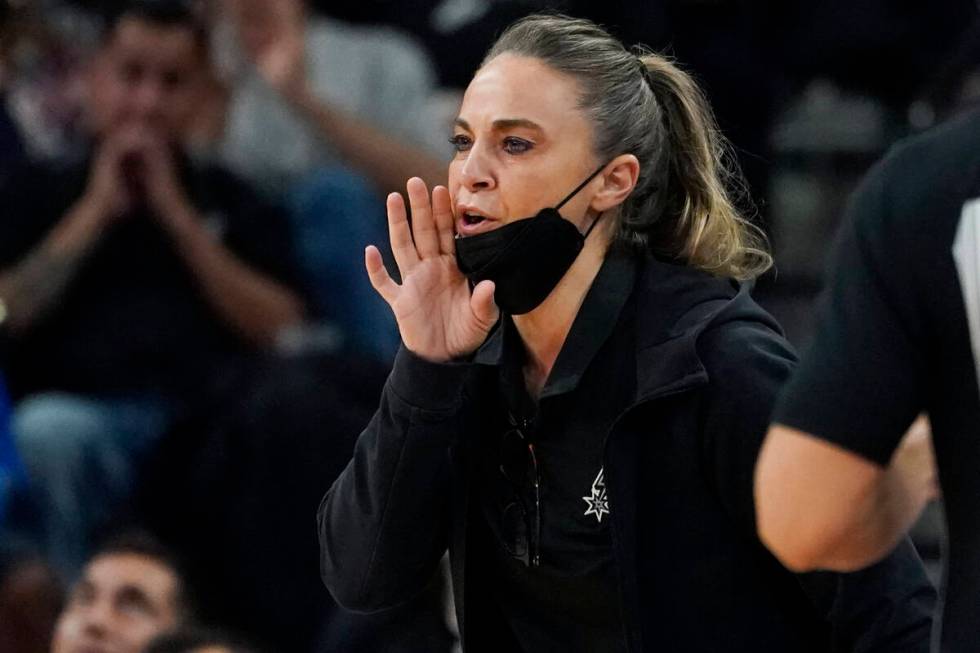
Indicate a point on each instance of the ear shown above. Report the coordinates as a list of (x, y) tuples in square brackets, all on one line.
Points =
[(618, 181)]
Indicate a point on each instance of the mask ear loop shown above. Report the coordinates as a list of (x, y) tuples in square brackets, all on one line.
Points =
[(592, 226), (575, 192), (580, 187)]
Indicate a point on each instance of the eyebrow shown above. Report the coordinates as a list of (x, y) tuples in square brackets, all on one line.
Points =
[(83, 585), (134, 592), (503, 124)]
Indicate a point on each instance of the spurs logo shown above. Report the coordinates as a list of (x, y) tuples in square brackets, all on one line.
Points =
[(598, 502)]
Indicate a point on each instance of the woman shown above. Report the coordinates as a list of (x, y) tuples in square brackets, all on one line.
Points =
[(580, 429)]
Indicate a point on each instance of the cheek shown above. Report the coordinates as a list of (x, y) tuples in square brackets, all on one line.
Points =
[(520, 197), (116, 102), (454, 180), (101, 100), (139, 633), (66, 631), (180, 106)]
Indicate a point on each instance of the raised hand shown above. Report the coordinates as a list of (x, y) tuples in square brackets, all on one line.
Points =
[(280, 57), (438, 317)]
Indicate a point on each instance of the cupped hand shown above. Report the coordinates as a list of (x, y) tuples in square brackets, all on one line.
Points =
[(438, 316), (107, 192)]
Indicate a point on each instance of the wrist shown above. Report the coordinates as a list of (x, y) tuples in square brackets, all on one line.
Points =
[(82, 224), (301, 97), (183, 224)]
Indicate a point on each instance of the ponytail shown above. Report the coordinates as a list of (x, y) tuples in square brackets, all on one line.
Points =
[(699, 176)]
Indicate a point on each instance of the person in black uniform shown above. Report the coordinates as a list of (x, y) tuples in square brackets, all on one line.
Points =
[(580, 396), (900, 335)]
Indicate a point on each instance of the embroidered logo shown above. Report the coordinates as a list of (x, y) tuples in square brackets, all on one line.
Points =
[(598, 503)]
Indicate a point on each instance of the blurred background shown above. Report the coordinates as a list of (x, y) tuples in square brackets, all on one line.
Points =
[(301, 105)]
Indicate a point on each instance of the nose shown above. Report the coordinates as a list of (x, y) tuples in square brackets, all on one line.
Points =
[(95, 619), (147, 99), (477, 170)]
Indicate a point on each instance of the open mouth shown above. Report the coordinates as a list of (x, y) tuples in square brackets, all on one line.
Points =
[(471, 219)]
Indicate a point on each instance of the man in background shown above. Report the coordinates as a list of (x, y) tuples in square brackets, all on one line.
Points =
[(134, 280), (129, 593)]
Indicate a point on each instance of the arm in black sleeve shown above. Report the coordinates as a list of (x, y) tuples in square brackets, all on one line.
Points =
[(384, 524), (884, 608), (859, 385)]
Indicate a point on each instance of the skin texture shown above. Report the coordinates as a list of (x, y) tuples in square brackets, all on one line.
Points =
[(121, 603), (822, 507), (522, 144)]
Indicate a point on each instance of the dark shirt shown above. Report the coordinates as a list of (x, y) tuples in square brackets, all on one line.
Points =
[(895, 338), (133, 318), (570, 601), (705, 368)]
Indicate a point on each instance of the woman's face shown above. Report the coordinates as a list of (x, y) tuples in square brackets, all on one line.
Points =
[(522, 144)]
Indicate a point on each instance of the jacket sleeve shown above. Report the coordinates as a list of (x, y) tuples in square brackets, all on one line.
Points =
[(886, 607), (383, 525)]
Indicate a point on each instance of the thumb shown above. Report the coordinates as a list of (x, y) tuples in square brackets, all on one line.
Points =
[(482, 304)]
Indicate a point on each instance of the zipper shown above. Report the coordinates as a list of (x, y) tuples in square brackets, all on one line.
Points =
[(613, 500)]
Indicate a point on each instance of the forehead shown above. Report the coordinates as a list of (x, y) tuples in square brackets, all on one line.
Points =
[(112, 572), (250, 7), (512, 86), (163, 45)]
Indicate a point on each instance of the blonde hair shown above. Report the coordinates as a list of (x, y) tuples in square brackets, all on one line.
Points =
[(684, 205)]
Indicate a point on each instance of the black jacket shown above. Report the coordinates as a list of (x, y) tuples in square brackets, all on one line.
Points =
[(679, 463)]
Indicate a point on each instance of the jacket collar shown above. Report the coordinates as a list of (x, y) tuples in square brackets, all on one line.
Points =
[(675, 304), (595, 321)]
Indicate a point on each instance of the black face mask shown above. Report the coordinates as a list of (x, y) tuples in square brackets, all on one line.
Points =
[(526, 258)]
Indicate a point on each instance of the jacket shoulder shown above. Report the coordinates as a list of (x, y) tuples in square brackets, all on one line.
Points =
[(743, 340)]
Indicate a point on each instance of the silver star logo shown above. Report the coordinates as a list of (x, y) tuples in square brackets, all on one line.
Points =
[(597, 502)]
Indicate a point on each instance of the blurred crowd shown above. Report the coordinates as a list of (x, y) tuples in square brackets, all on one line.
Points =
[(189, 344)]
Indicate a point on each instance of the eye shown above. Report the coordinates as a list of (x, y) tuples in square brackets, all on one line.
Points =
[(461, 142), (172, 80), (134, 602), (131, 73), (514, 145)]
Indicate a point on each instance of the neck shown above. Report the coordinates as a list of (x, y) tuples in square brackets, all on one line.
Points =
[(545, 329)]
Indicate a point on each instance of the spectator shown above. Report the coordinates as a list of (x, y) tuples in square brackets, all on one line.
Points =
[(328, 114), (31, 598), (134, 280), (130, 592), (310, 92)]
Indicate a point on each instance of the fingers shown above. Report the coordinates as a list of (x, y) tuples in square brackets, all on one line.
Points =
[(442, 210), (423, 224), (481, 303), (380, 279), (400, 234)]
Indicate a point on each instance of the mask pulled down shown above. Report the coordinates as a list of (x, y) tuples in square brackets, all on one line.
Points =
[(526, 258)]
